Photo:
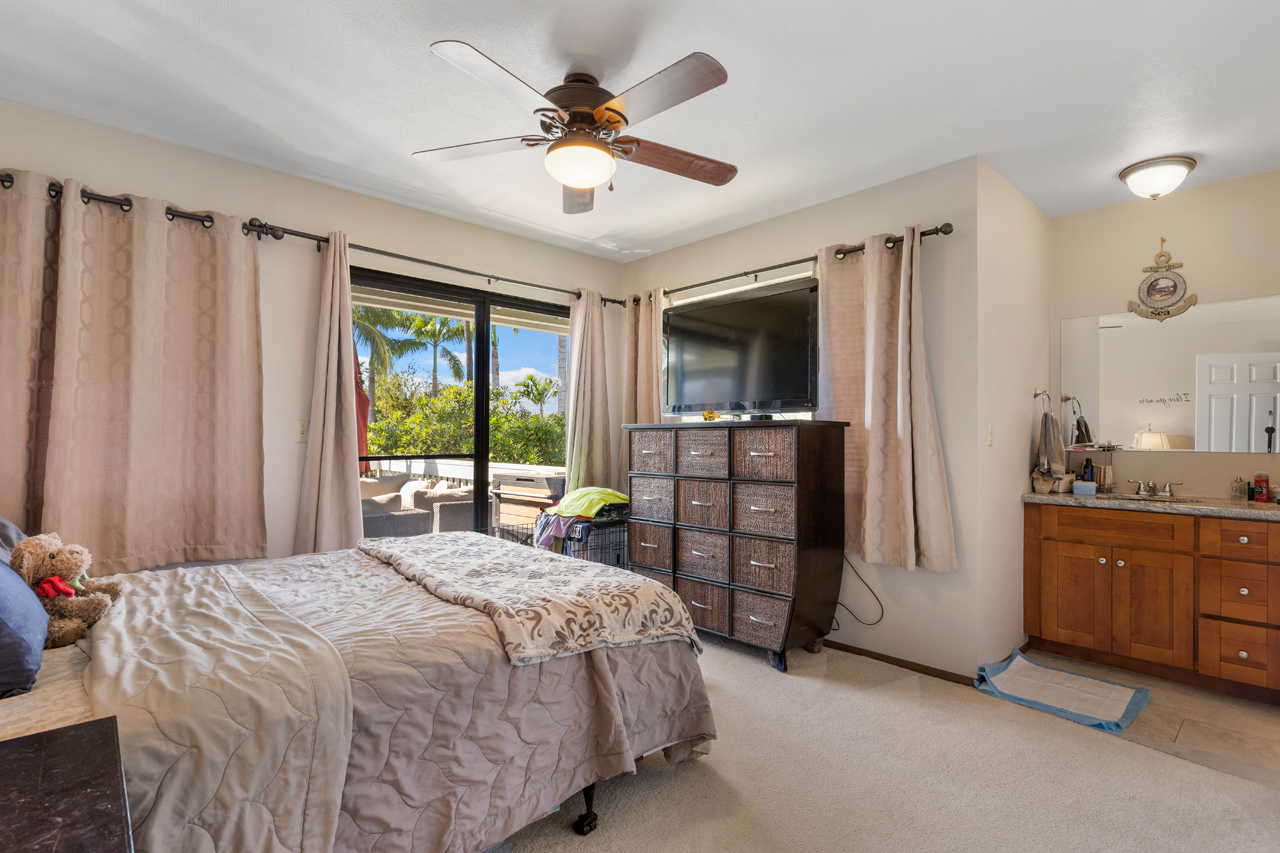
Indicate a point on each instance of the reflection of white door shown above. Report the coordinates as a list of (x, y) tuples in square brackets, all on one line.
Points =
[(1234, 393)]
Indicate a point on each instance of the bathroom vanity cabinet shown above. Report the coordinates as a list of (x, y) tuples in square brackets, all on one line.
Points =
[(1186, 592)]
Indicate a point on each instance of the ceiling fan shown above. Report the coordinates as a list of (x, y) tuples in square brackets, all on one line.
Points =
[(582, 123)]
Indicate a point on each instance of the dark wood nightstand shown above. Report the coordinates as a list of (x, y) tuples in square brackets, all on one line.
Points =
[(64, 790)]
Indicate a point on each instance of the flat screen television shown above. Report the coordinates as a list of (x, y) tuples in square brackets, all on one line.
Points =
[(752, 352)]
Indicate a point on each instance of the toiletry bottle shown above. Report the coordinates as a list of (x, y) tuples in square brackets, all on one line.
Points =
[(1087, 473), (1240, 489), (1261, 487)]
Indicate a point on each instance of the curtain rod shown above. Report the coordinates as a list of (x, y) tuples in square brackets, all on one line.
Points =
[(889, 242), (258, 227)]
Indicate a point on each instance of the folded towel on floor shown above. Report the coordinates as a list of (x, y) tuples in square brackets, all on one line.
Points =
[(1052, 454), (1091, 702)]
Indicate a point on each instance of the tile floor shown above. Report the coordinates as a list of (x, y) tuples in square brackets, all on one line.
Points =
[(1230, 734)]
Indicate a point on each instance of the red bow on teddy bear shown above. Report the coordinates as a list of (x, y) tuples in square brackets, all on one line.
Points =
[(53, 587)]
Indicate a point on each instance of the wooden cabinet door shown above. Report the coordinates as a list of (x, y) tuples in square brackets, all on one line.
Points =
[(1153, 606), (1075, 594)]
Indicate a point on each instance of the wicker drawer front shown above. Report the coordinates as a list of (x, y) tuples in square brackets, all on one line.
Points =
[(663, 578), (708, 604), (704, 554), (653, 497), (649, 545), (764, 564), (759, 619), (651, 451), (702, 452), (764, 508), (764, 454), (703, 503)]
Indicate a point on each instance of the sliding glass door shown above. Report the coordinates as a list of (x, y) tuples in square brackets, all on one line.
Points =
[(464, 392)]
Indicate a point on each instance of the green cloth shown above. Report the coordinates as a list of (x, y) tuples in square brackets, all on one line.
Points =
[(586, 502)]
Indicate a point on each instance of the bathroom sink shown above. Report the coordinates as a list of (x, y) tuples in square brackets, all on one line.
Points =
[(1154, 499)]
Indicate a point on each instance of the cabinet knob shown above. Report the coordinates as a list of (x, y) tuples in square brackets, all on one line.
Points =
[(1244, 540), (1243, 654), (1244, 590), (1120, 563), (1102, 559)]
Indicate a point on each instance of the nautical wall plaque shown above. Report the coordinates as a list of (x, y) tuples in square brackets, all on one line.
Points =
[(1163, 293)]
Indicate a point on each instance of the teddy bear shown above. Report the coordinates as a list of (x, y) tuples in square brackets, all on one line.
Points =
[(57, 572)]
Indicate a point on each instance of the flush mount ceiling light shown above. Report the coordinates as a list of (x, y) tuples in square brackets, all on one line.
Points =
[(1157, 176), (580, 161)]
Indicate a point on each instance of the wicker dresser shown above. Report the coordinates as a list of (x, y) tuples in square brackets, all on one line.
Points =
[(745, 520)]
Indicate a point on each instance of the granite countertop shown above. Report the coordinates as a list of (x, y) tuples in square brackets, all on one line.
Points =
[(1181, 505)]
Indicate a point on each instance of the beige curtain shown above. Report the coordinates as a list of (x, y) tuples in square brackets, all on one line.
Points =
[(874, 375), (329, 504), (642, 382), (587, 422), (152, 452)]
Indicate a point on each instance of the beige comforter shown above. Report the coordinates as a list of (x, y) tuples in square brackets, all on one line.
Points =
[(452, 749)]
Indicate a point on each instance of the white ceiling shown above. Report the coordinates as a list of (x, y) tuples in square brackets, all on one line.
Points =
[(824, 98)]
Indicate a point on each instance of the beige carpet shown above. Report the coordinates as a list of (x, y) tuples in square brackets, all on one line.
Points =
[(844, 753)]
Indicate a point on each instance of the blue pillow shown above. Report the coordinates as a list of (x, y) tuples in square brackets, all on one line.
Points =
[(10, 535), (23, 627)]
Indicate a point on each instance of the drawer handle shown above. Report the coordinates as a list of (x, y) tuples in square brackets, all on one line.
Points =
[(642, 452), (762, 565), (762, 509), (648, 498), (1244, 590), (1102, 559), (697, 553), (699, 503), (697, 604), (763, 453), (701, 453), (1243, 654), (647, 545), (762, 621), (1244, 540)]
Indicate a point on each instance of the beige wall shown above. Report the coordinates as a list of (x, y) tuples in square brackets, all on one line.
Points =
[(1223, 233), (113, 162), (929, 618)]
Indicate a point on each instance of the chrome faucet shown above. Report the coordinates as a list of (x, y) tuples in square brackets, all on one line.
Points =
[(1167, 491), (1146, 490)]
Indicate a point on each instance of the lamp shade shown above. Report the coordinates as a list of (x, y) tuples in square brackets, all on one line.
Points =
[(1158, 176), (580, 162), (1149, 439)]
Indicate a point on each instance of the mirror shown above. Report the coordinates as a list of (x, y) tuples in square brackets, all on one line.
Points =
[(1208, 379)]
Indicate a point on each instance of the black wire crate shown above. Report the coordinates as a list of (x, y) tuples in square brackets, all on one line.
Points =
[(602, 541)]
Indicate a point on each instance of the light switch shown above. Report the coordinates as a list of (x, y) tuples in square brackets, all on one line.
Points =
[(991, 434), (302, 431)]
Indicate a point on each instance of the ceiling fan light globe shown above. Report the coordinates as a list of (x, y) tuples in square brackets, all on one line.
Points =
[(580, 163), (1160, 176)]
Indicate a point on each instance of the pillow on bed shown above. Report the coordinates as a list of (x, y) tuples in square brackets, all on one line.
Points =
[(372, 487), (23, 626)]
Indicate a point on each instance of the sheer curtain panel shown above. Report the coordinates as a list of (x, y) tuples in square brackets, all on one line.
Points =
[(874, 375), (146, 350), (587, 420), (329, 503)]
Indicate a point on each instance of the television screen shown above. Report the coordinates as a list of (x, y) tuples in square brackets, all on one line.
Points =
[(747, 352)]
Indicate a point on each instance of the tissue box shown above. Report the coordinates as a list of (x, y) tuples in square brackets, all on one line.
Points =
[(1084, 487)]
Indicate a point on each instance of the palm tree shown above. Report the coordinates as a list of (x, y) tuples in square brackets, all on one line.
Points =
[(466, 331), (370, 325), (494, 381), (537, 391), (435, 332)]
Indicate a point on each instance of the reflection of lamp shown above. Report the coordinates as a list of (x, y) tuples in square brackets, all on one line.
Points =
[(1149, 439)]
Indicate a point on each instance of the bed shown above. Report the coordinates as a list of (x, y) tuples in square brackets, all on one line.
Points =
[(241, 691)]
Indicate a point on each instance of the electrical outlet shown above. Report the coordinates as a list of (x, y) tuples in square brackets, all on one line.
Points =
[(301, 437), (991, 434)]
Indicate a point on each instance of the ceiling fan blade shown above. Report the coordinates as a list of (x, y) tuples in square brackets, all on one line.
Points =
[(480, 149), (579, 201), (675, 84), (675, 161), (466, 58)]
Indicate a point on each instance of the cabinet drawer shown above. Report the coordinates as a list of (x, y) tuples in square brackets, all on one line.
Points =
[(663, 578), (1248, 591), (702, 452), (764, 508), (703, 503), (649, 545), (699, 552), (1244, 653), (764, 564), (708, 604), (1241, 540), (760, 619), (651, 451), (764, 454), (1137, 529), (653, 497)]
